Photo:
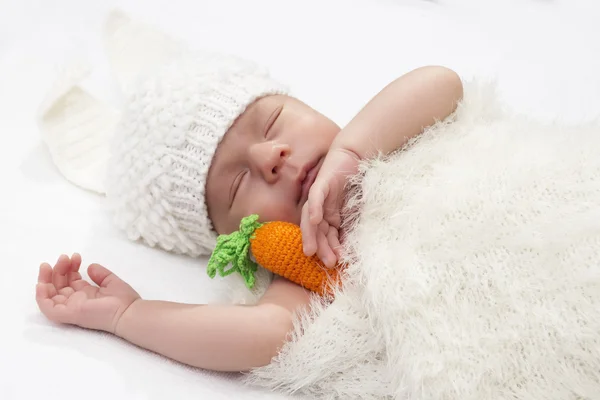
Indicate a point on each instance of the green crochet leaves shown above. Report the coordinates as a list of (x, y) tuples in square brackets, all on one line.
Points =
[(233, 249)]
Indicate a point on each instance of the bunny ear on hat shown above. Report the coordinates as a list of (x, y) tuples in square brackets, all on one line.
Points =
[(135, 49), (76, 126)]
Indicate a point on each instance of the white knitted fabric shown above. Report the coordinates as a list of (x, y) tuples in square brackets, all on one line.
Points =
[(77, 127), (474, 275), (179, 103), (135, 49), (75, 124), (165, 143)]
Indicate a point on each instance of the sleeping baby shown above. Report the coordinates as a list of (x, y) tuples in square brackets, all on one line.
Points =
[(204, 142)]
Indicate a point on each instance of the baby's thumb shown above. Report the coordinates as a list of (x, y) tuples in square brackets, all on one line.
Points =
[(100, 275)]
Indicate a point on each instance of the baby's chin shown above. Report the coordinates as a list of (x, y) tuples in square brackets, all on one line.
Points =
[(287, 213), (294, 217)]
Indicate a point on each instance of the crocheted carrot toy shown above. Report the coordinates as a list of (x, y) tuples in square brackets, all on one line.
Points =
[(276, 246)]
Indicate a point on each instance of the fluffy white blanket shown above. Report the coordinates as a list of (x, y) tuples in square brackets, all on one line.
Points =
[(474, 274)]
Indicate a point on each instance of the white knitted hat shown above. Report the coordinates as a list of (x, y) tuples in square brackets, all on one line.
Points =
[(164, 145), (179, 106)]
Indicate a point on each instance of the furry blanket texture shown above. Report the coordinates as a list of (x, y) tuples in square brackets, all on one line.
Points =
[(474, 270)]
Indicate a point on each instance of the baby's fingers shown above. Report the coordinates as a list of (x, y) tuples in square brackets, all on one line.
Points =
[(324, 252), (74, 277), (75, 262), (309, 233), (60, 271), (101, 275), (316, 199), (334, 241), (45, 273), (45, 286)]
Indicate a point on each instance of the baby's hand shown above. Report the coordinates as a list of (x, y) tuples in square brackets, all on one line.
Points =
[(321, 213), (64, 297)]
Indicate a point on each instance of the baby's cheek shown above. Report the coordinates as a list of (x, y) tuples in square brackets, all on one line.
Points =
[(280, 213), (272, 204), (277, 211)]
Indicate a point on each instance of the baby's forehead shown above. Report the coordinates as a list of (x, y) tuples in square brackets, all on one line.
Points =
[(253, 118)]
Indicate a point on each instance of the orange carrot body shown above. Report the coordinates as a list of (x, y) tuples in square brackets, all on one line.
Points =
[(277, 246)]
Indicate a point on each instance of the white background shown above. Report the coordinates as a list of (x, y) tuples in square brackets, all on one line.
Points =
[(335, 54)]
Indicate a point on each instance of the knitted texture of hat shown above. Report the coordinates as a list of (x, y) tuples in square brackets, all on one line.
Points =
[(164, 144)]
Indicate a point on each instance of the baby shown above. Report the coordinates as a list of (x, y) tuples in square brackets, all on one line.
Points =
[(203, 144)]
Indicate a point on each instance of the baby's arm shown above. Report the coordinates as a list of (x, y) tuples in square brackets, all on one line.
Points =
[(222, 338), (401, 111)]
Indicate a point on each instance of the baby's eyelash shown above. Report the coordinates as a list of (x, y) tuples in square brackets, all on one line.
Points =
[(272, 120), (236, 184)]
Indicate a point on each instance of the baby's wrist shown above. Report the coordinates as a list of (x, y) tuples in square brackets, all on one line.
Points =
[(350, 145), (121, 322)]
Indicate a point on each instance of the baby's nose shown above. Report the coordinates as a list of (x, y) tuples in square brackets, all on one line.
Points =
[(269, 157)]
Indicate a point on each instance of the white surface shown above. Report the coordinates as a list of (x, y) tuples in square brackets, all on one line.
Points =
[(336, 54)]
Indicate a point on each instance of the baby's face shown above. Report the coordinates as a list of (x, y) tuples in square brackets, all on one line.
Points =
[(266, 162)]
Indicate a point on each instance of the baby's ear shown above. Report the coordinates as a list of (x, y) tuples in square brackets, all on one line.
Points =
[(134, 48)]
